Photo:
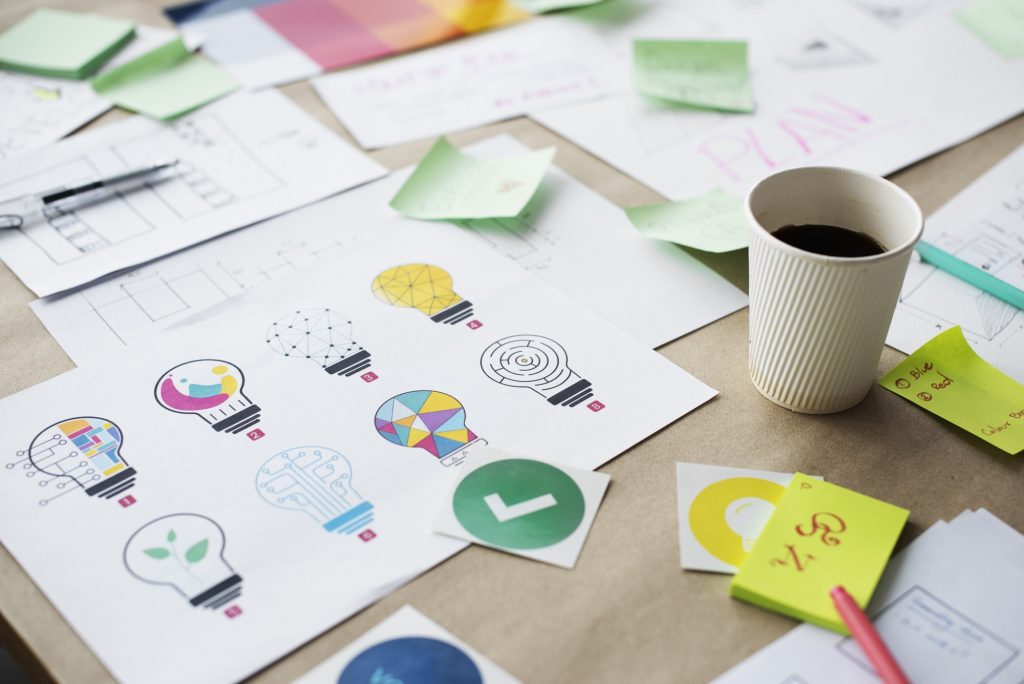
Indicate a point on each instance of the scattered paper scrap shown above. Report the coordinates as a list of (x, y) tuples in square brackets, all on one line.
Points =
[(62, 44), (1000, 23), (722, 510), (820, 536), (407, 647), (165, 83), (712, 222), (522, 506), (947, 378), (702, 73), (449, 185)]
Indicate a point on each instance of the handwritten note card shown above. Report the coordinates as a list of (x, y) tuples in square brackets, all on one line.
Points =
[(165, 83), (947, 378), (1000, 23), (821, 535), (711, 74), (712, 222), (449, 185)]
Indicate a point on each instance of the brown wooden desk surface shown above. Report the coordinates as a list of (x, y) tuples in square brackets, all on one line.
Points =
[(627, 612)]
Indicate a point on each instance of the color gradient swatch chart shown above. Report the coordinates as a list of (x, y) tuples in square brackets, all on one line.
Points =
[(266, 43)]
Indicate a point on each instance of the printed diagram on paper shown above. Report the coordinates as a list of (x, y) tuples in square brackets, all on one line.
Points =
[(38, 111)]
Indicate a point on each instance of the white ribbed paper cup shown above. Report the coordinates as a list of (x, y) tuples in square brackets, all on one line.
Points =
[(818, 323)]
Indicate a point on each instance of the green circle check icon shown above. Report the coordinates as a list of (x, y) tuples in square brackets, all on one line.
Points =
[(519, 504)]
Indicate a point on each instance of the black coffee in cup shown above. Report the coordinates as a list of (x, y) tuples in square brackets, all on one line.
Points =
[(829, 240)]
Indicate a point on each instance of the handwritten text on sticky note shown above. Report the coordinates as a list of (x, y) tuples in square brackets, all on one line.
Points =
[(949, 379)]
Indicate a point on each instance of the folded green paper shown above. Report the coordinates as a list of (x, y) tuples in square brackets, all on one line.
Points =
[(62, 44)]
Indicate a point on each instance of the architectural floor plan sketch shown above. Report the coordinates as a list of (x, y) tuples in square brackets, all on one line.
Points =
[(233, 159)]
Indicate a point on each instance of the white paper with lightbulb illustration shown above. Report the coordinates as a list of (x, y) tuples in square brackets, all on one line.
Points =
[(282, 481)]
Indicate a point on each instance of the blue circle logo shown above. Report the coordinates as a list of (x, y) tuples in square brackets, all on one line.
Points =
[(411, 660)]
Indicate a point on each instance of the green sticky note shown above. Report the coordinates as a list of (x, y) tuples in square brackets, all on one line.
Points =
[(701, 73), (820, 536), (1000, 23), (947, 378), (165, 82), (541, 6), (449, 185), (62, 44), (713, 222)]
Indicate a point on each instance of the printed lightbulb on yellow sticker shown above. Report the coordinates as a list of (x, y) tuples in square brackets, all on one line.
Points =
[(721, 513)]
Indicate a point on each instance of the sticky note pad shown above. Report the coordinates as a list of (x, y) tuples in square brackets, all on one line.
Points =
[(62, 44), (449, 185), (712, 222), (947, 378), (701, 73), (1000, 23), (820, 536), (166, 82)]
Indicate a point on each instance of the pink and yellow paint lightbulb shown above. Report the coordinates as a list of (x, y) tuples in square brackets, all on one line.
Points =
[(212, 390)]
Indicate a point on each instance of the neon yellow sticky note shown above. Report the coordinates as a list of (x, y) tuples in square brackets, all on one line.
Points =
[(1000, 23), (62, 44), (450, 185), (701, 73), (820, 536), (166, 82), (712, 222), (947, 378)]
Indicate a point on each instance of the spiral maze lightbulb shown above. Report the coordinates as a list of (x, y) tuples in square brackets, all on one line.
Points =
[(324, 337), (540, 364), (426, 288), (212, 390), (316, 481), (79, 453), (186, 552), (428, 420)]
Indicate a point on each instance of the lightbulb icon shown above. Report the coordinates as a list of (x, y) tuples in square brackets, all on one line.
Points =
[(210, 389), (79, 453), (424, 287), (428, 420), (186, 552), (747, 517), (538, 363), (321, 335), (316, 481)]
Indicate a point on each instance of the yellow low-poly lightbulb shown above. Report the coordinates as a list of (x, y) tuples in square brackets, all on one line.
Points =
[(424, 287)]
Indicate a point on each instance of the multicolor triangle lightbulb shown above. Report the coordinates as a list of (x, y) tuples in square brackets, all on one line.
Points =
[(428, 420), (426, 288)]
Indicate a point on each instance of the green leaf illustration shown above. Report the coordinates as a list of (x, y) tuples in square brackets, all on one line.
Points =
[(171, 536), (197, 551), (157, 552)]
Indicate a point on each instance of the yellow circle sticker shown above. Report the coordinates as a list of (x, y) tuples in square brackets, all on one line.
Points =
[(727, 516)]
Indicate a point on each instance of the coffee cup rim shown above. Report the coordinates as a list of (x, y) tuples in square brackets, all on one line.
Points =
[(825, 258)]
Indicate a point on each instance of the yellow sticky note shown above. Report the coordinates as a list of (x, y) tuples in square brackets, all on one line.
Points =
[(947, 378), (820, 536)]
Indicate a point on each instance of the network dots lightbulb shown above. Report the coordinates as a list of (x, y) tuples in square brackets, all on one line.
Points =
[(537, 363), (82, 453), (424, 287), (429, 420), (316, 481), (747, 517), (185, 551), (210, 389), (322, 336)]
